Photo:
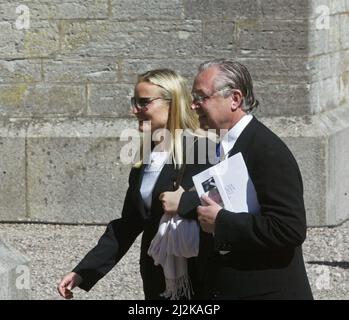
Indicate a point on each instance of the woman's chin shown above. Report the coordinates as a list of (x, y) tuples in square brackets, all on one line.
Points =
[(143, 128)]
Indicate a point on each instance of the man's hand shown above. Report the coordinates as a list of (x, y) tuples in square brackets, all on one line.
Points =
[(207, 214), (170, 200), (67, 284)]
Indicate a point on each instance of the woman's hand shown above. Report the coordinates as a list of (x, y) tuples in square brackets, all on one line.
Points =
[(170, 201), (68, 283)]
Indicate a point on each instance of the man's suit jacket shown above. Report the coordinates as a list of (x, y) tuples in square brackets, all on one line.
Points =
[(121, 233), (265, 259)]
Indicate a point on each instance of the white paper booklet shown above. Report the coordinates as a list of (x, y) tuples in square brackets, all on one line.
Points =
[(229, 184)]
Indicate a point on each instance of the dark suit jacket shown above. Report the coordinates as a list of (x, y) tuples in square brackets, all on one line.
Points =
[(121, 233), (265, 259)]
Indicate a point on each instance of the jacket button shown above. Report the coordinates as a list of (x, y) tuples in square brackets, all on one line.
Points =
[(216, 294)]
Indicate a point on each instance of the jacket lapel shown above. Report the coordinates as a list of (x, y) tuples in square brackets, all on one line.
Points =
[(136, 182), (242, 143)]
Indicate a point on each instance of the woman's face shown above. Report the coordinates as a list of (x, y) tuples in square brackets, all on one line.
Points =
[(155, 115)]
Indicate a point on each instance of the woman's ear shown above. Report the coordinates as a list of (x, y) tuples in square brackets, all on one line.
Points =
[(236, 99)]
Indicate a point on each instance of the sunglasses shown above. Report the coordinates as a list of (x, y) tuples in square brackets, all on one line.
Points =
[(141, 103)]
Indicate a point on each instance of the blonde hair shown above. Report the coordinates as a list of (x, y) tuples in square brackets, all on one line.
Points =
[(174, 88)]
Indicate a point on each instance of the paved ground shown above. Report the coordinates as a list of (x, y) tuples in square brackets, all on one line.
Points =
[(55, 250)]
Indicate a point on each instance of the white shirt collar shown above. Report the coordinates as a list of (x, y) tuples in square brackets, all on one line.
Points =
[(233, 134), (156, 160)]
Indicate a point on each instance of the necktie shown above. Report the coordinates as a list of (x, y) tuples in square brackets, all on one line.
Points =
[(218, 150)]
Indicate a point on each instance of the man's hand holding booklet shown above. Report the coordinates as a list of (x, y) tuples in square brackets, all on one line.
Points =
[(229, 184)]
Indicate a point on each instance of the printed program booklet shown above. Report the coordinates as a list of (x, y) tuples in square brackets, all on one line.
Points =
[(229, 184)]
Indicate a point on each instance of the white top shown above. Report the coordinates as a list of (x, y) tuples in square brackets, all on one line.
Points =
[(151, 174), (233, 134)]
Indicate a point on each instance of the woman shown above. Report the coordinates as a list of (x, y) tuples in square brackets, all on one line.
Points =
[(161, 101)]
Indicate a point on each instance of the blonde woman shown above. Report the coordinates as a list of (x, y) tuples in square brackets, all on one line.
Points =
[(161, 101)]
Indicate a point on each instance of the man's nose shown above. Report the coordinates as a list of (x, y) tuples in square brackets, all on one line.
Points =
[(134, 110)]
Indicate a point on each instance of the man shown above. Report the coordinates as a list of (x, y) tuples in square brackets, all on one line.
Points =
[(244, 255)]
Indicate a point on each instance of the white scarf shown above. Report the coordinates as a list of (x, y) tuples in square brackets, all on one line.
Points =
[(176, 240)]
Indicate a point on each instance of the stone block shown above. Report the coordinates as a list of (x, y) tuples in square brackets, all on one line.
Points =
[(55, 99), (272, 37), (317, 143), (56, 9), (284, 9), (343, 30), (219, 37), (324, 94), (320, 7), (220, 9), (40, 40), (78, 9), (130, 68), (278, 70), (12, 172), (343, 89), (282, 99), (20, 71), (14, 274), (151, 9), (77, 69), (9, 40), (328, 65), (109, 99), (75, 173), (155, 38), (12, 97), (323, 40)]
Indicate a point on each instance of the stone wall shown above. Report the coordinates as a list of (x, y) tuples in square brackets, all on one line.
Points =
[(65, 84)]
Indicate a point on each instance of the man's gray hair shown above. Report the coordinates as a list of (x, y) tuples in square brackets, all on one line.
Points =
[(233, 75)]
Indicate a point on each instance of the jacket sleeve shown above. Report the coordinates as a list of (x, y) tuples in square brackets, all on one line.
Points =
[(190, 200), (188, 203), (282, 222), (112, 246)]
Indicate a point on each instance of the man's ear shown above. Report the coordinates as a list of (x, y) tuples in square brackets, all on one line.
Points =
[(236, 99)]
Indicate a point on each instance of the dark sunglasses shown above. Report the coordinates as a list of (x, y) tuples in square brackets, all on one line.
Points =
[(142, 102)]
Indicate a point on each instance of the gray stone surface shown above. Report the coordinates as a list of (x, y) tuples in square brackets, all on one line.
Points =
[(13, 178), (55, 249), (75, 180), (294, 99), (318, 144), (285, 10), (219, 37), (272, 37), (220, 9), (110, 99), (25, 100), (160, 37), (151, 9), (41, 39), (131, 67), (14, 274), (56, 9), (20, 71), (75, 69), (54, 100)]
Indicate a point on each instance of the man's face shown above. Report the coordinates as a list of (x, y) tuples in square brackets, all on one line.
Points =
[(213, 108)]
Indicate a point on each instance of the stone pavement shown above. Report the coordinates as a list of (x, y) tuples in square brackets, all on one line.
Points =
[(55, 249)]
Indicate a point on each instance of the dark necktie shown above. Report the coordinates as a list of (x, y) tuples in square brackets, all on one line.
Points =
[(218, 150)]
